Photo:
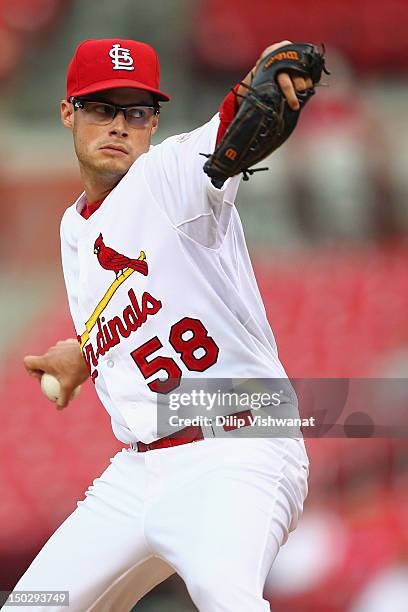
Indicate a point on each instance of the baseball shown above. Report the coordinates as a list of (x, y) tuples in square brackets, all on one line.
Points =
[(51, 387)]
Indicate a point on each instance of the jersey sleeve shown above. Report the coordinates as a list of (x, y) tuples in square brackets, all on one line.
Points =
[(174, 173)]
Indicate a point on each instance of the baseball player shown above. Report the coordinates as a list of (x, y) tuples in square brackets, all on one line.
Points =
[(161, 288)]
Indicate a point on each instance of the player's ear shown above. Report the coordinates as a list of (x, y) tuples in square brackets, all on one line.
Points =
[(67, 114), (155, 124)]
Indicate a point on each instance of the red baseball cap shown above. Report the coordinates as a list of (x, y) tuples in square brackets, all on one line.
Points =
[(112, 63)]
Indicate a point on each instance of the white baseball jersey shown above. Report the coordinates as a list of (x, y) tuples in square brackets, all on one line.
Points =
[(187, 303)]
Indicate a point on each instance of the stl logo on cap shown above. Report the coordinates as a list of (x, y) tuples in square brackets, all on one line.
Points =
[(114, 63), (121, 58)]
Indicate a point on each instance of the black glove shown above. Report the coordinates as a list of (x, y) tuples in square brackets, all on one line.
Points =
[(264, 120)]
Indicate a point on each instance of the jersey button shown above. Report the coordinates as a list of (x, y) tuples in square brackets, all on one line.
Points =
[(110, 363)]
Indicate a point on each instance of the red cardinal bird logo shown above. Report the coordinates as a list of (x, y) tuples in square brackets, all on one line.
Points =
[(112, 260)]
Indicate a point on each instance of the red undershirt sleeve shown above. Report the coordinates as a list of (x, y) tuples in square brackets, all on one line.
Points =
[(228, 109)]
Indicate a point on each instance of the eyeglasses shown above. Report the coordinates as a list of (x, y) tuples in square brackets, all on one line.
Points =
[(102, 113)]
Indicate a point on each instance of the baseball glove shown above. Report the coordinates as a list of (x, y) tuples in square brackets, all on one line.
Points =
[(264, 120)]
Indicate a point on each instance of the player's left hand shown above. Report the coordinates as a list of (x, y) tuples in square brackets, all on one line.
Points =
[(282, 83), (288, 84)]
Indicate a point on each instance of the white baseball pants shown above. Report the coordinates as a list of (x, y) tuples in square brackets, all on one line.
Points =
[(214, 511)]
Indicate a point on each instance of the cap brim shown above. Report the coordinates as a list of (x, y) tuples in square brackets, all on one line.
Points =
[(116, 83)]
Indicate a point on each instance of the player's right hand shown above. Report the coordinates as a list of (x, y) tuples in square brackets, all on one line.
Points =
[(65, 361)]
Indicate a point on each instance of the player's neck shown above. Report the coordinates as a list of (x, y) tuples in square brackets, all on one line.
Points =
[(97, 188)]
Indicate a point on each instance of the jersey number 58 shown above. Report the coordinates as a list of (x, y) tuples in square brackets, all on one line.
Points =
[(198, 341)]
